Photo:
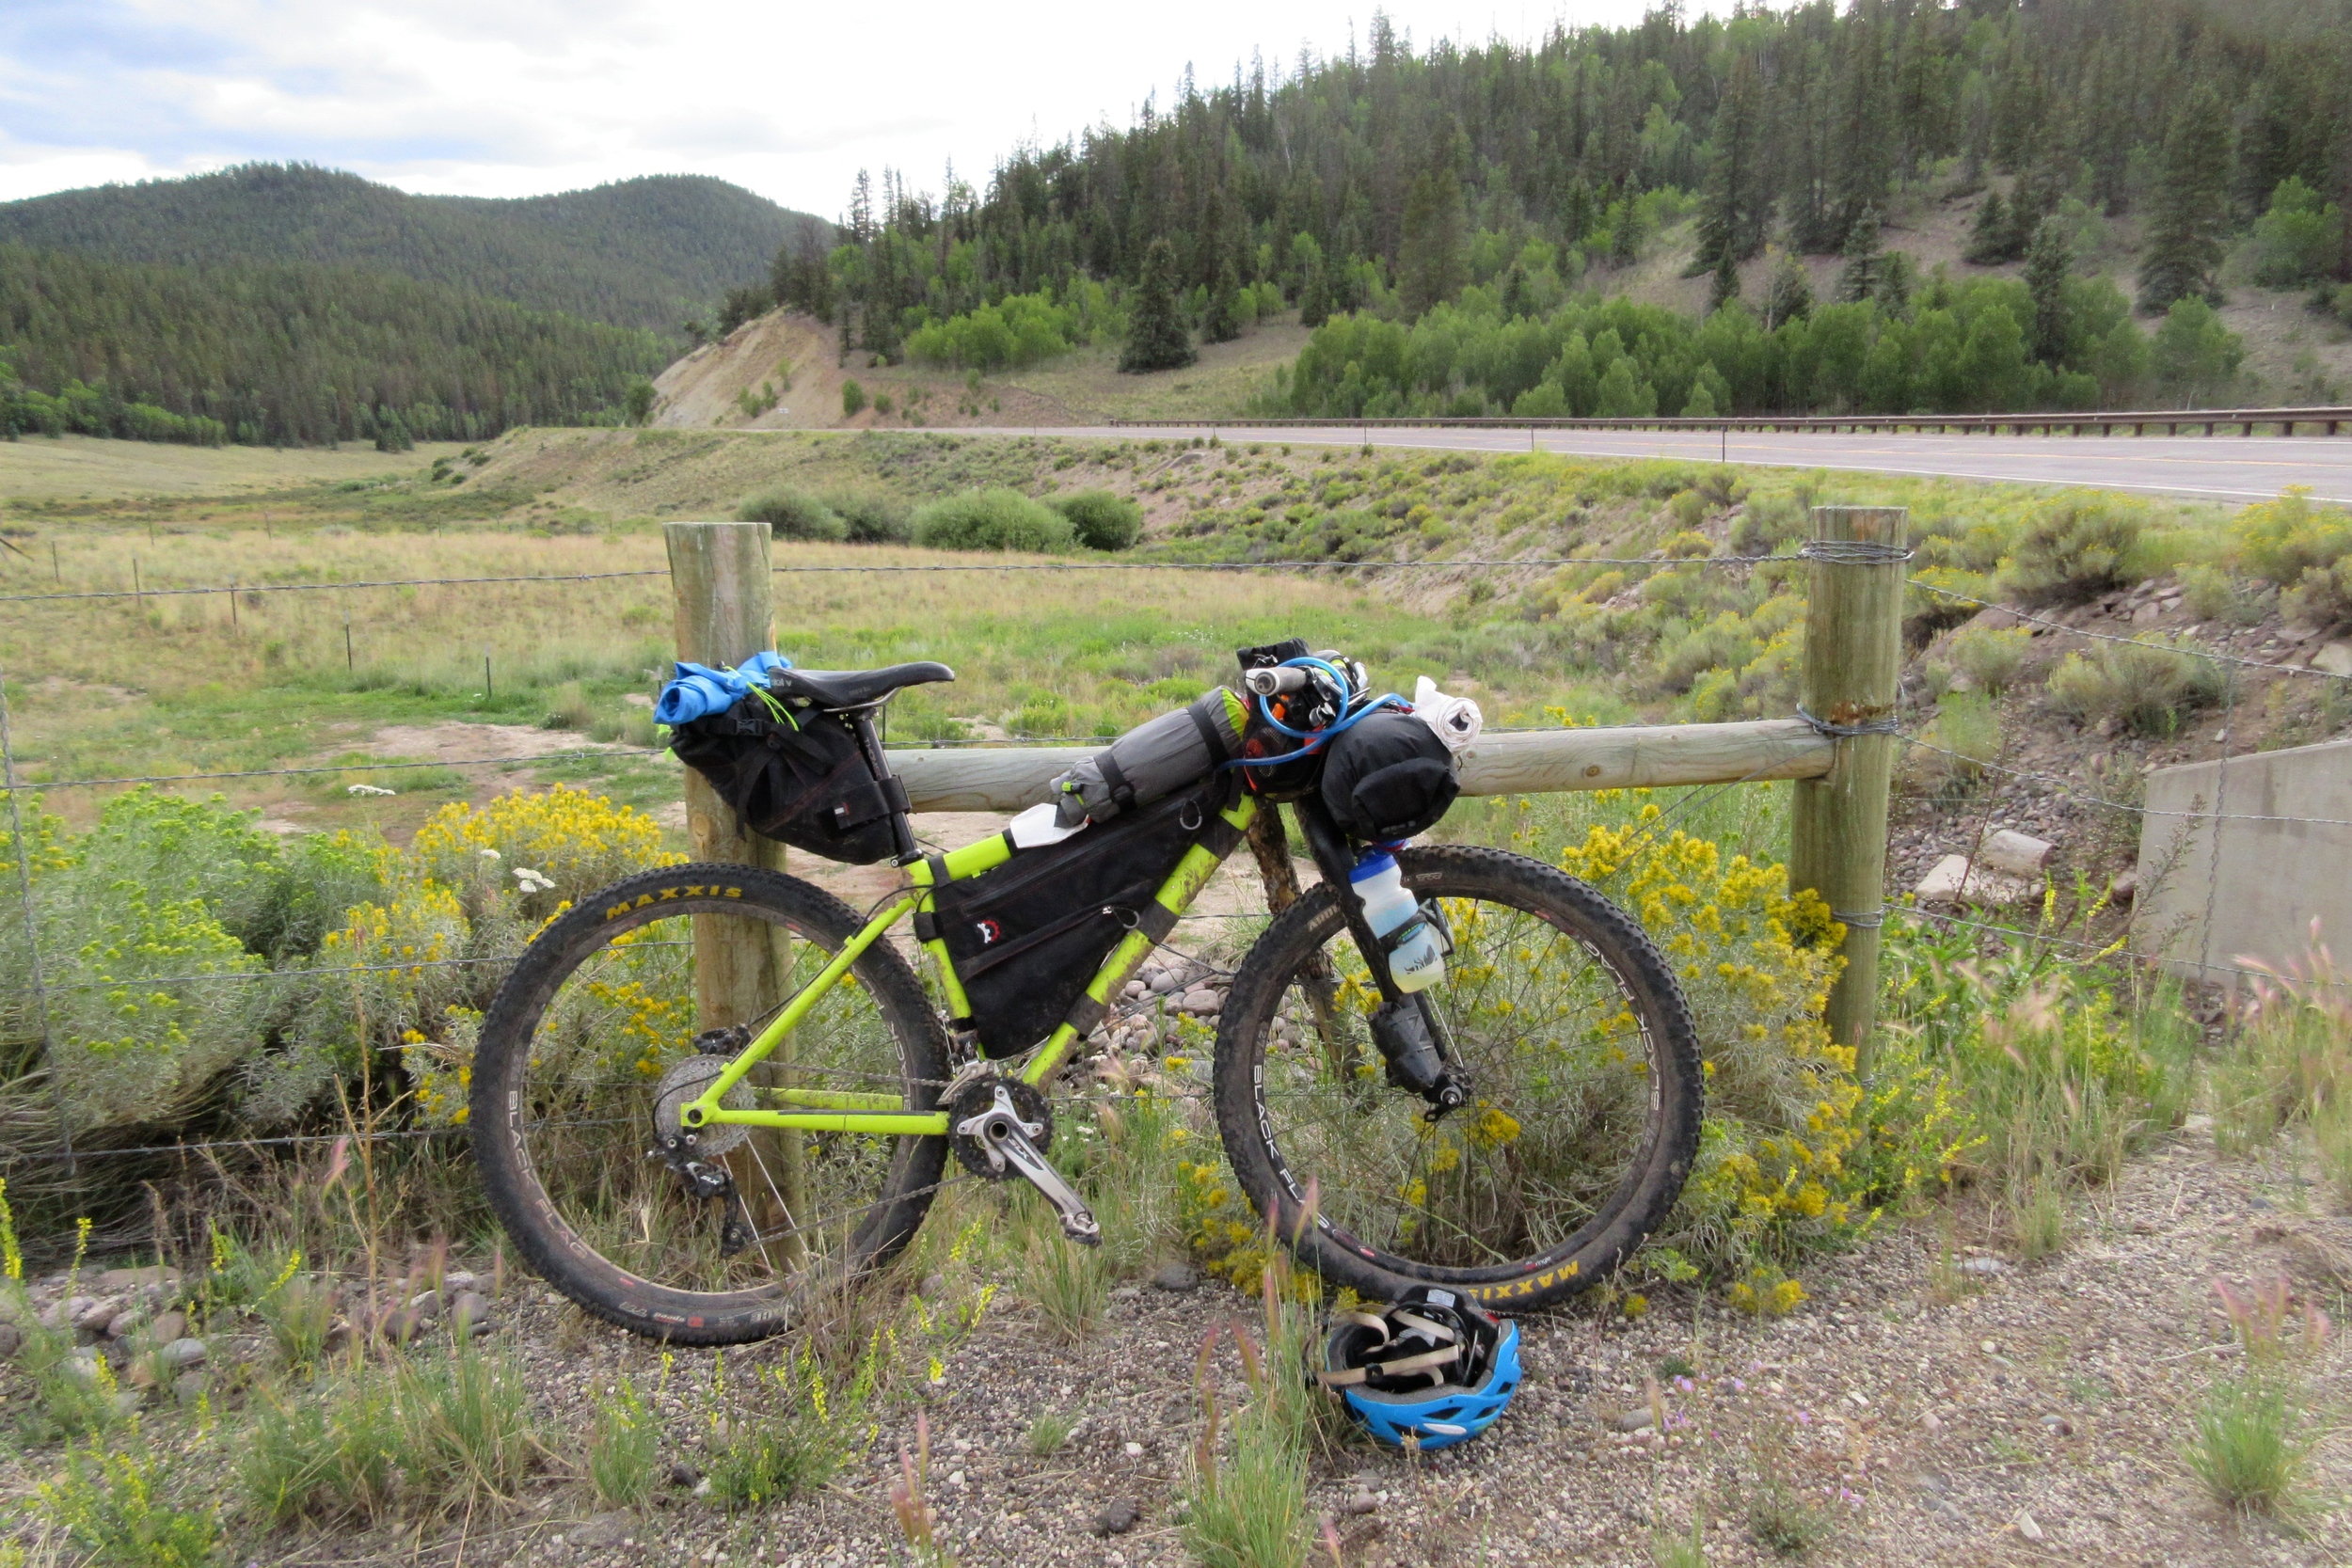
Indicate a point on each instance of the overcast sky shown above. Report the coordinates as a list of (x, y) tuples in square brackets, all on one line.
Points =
[(519, 97)]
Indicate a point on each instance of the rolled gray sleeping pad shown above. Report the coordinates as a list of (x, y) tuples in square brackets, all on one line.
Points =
[(1152, 761)]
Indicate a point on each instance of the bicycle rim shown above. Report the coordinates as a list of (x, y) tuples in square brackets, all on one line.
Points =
[(618, 1014), (1551, 1009)]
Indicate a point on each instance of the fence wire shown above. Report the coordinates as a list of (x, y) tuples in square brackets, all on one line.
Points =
[(1547, 563)]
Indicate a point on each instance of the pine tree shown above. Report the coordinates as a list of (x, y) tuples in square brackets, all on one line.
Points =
[(1221, 322), (2031, 199), (1430, 253), (1988, 240), (2048, 264), (1865, 261), (1898, 275), (1736, 199), (1789, 294), (1314, 296), (1516, 302), (2191, 207), (1156, 339), (1724, 287)]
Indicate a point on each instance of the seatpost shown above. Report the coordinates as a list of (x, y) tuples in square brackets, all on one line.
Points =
[(869, 742)]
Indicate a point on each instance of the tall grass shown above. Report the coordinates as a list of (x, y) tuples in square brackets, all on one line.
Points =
[(117, 1505), (2250, 1445), (1246, 1475), (447, 1433)]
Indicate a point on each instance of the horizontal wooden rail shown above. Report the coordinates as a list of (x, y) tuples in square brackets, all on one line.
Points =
[(2139, 422), (1532, 762)]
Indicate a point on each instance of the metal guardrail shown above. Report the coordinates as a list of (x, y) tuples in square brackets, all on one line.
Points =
[(2333, 419)]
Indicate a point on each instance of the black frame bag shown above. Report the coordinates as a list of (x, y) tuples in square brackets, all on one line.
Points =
[(1028, 935), (1388, 776), (802, 781)]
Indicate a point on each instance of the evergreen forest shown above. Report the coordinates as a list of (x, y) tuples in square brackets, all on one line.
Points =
[(299, 305), (1450, 219)]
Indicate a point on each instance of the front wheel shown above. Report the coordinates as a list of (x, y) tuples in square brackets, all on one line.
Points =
[(1584, 1081)]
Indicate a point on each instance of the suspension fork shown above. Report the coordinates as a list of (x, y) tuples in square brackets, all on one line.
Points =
[(1408, 1030)]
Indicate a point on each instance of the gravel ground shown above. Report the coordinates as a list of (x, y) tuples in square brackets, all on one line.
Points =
[(1934, 1403)]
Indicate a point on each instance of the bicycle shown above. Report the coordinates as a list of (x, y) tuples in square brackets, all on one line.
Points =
[(1512, 1132)]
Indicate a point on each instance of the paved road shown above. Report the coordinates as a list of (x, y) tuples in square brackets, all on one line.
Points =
[(2226, 467)]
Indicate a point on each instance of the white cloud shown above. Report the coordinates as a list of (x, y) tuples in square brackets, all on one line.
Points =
[(517, 97)]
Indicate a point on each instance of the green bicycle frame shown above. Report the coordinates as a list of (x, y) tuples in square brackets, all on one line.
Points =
[(832, 1111)]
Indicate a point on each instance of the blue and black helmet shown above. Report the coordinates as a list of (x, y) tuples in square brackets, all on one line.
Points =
[(1434, 1366)]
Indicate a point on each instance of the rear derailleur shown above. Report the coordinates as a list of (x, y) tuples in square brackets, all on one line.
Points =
[(999, 1127), (708, 1182), (694, 1154)]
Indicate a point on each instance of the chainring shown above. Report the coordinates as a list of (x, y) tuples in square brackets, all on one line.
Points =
[(681, 1087), (971, 1099)]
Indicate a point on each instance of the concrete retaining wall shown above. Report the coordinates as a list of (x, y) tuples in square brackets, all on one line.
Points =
[(2275, 876)]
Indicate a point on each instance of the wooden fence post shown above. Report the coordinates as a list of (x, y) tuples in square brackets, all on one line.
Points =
[(722, 611), (1852, 663)]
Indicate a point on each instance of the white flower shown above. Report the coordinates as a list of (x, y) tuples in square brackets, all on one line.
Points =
[(487, 854), (532, 881)]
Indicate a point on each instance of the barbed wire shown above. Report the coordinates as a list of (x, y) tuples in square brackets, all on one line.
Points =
[(1812, 551), (2111, 949), (2128, 641), (399, 1134), (1426, 563), (144, 592), (2122, 805)]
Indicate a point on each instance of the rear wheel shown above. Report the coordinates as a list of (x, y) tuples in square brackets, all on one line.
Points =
[(595, 1027), (1584, 1089)]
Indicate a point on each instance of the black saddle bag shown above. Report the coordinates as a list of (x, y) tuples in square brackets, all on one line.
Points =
[(801, 780), (1028, 935)]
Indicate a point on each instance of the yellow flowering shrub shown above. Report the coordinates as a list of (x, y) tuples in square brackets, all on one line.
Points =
[(389, 969), (1789, 1151), (440, 1066), (1229, 1241), (572, 840), (140, 1029)]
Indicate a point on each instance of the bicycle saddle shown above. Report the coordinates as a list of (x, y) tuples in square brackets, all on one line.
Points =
[(855, 688)]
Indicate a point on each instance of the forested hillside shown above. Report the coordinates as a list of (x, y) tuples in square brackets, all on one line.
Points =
[(297, 305), (1447, 193), (292, 354), (647, 253)]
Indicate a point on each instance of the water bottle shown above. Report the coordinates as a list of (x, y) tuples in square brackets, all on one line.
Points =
[(1415, 958)]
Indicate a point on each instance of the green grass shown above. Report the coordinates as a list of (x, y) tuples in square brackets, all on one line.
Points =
[(117, 1505), (1067, 1282), (2250, 1446), (622, 1448), (1048, 1432)]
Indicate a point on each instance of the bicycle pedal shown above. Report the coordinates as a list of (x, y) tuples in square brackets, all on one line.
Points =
[(1004, 1139)]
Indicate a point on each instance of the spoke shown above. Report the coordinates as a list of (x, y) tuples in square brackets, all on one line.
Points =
[(622, 1016), (1530, 1009)]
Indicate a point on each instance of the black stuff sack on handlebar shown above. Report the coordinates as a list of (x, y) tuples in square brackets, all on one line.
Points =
[(1388, 776), (798, 778), (1153, 761)]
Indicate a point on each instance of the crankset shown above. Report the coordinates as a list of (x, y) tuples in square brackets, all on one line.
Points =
[(998, 1126)]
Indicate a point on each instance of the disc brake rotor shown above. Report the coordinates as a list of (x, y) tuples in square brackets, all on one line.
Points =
[(680, 1088)]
